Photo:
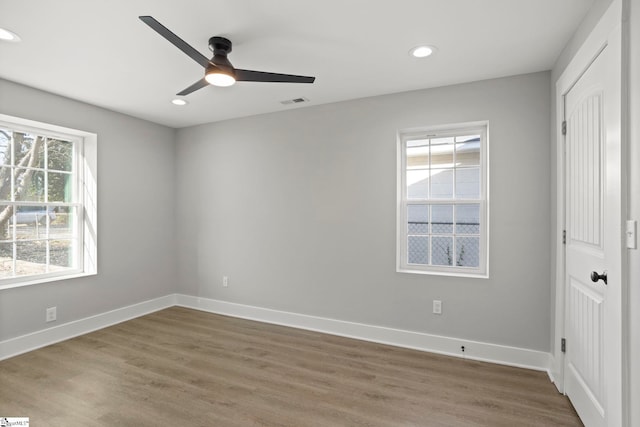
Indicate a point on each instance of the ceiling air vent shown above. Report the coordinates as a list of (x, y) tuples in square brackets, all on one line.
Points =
[(294, 101)]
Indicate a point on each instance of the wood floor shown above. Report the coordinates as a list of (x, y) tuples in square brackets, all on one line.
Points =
[(185, 367)]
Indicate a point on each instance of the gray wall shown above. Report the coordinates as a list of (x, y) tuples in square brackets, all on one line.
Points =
[(298, 208), (136, 221)]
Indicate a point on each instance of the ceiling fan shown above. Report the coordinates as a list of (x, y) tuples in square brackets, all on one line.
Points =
[(218, 70)]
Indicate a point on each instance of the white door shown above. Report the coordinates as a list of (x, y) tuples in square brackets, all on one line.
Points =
[(594, 241)]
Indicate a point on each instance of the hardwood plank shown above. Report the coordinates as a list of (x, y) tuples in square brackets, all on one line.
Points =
[(182, 365)]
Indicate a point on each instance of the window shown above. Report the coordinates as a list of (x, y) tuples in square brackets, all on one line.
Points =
[(47, 214), (443, 201)]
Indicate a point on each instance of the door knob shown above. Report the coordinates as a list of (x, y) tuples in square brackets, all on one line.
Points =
[(595, 277)]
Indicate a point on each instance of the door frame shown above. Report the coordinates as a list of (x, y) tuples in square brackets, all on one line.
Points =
[(597, 40)]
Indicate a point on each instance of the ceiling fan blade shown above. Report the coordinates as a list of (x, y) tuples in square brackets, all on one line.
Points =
[(262, 76), (175, 40), (194, 87)]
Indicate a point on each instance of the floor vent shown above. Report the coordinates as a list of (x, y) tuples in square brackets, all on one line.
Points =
[(294, 101)]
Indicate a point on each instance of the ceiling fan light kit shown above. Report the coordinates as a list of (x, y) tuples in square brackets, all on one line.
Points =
[(218, 70), (219, 78), (222, 73)]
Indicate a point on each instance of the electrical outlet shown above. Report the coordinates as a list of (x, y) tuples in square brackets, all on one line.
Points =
[(437, 306), (631, 234), (225, 281), (51, 314)]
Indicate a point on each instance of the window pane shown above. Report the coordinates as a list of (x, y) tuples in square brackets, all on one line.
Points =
[(418, 219), (417, 160), (31, 222), (63, 222), (29, 185), (60, 187), (442, 219), (442, 250), (5, 147), (60, 155), (6, 260), (29, 150), (5, 183), (468, 183), (417, 184), (418, 250), (442, 156), (442, 184), (468, 138), (468, 251), (468, 153), (443, 140), (61, 254), (6, 219), (417, 142), (418, 154), (468, 219), (33, 214), (31, 258)]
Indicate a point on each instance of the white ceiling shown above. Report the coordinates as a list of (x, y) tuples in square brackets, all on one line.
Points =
[(98, 51)]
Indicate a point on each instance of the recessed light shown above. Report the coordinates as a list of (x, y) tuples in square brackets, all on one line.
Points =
[(8, 36), (422, 51), (179, 101)]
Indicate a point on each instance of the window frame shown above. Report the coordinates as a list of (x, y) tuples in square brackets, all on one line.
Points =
[(84, 189), (402, 264)]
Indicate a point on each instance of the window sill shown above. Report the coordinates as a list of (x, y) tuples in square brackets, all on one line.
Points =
[(39, 280), (444, 273)]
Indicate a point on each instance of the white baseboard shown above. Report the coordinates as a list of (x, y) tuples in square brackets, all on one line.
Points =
[(474, 350), (555, 373), (25, 343), (486, 352)]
